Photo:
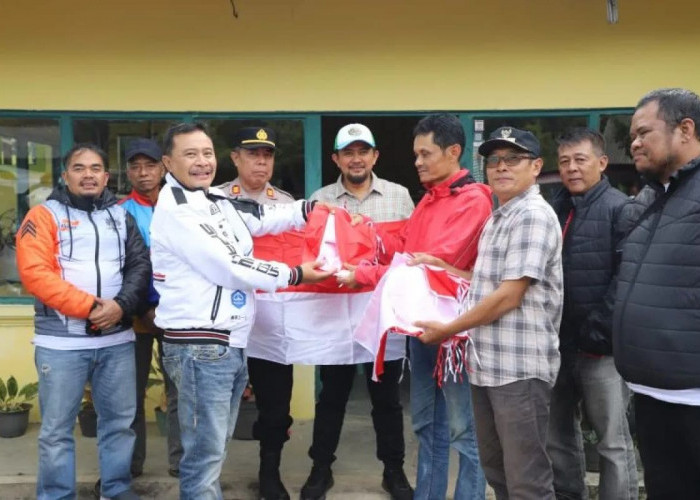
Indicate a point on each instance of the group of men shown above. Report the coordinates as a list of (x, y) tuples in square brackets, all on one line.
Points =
[(571, 304)]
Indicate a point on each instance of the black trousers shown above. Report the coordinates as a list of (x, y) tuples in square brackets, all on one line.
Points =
[(272, 386), (143, 350), (669, 444), (387, 412)]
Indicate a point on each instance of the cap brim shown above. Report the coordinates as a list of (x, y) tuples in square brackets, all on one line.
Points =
[(488, 146), (144, 153), (345, 144), (257, 145)]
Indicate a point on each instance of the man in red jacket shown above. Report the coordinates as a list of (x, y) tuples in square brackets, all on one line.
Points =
[(446, 224)]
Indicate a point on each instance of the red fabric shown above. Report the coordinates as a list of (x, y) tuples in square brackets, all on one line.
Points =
[(355, 244), (447, 223)]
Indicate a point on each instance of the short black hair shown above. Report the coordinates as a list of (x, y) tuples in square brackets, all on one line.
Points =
[(179, 129), (577, 135), (447, 130), (675, 105), (85, 146)]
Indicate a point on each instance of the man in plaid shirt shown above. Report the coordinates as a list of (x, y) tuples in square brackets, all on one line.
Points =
[(514, 311)]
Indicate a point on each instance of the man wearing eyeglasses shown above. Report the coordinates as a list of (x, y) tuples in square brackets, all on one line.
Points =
[(513, 312), (588, 208), (145, 172)]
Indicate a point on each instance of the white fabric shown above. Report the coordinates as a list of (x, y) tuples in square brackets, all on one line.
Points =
[(313, 329), (690, 397)]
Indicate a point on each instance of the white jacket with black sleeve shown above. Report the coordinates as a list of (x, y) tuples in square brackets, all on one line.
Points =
[(203, 264)]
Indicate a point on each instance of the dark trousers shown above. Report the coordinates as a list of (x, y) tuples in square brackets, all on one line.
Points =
[(143, 349), (511, 430), (669, 444), (387, 412), (272, 386)]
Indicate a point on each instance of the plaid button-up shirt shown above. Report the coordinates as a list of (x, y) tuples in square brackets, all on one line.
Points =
[(521, 239), (385, 202)]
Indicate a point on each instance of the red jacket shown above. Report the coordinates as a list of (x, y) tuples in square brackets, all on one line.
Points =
[(447, 223)]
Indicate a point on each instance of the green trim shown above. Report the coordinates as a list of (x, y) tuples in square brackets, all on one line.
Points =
[(312, 154), (594, 120), (16, 300)]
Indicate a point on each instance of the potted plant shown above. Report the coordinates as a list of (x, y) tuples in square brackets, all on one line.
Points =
[(87, 416), (14, 406)]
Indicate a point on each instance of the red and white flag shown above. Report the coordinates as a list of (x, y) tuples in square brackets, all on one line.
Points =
[(314, 324), (406, 294)]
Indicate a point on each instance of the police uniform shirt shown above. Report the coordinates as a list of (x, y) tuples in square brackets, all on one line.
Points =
[(269, 194)]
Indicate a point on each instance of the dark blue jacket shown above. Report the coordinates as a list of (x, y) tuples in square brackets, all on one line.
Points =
[(590, 263), (656, 327)]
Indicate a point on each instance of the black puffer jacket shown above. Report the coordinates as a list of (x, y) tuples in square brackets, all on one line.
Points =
[(590, 264), (656, 327)]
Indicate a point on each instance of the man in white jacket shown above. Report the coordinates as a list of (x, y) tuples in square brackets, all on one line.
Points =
[(206, 275)]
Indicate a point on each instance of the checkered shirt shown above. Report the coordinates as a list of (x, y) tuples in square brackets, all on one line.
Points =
[(521, 238), (385, 202)]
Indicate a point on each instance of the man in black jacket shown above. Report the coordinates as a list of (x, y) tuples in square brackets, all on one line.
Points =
[(656, 327), (588, 208)]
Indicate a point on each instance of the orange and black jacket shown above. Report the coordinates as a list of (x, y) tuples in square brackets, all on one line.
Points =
[(72, 249)]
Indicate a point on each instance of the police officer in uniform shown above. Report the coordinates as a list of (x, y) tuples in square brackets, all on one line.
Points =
[(254, 157)]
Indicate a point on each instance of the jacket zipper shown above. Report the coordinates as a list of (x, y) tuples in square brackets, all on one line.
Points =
[(97, 255), (217, 302)]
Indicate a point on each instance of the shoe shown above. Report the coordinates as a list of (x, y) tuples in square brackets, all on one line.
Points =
[(174, 472), (318, 483), (136, 472), (97, 489), (271, 486), (395, 483)]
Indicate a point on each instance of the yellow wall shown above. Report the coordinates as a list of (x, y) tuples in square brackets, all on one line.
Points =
[(288, 55)]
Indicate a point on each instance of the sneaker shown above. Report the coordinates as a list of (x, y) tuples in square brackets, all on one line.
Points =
[(174, 472), (318, 483), (395, 483), (97, 489)]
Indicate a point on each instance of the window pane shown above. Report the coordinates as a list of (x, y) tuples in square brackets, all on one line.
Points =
[(620, 171), (546, 129), (29, 156), (114, 136), (288, 173)]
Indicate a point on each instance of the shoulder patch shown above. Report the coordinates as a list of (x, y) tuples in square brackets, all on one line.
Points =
[(179, 196)]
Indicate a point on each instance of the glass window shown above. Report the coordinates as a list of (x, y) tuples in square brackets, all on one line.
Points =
[(114, 136), (29, 158), (620, 171), (288, 173), (546, 128)]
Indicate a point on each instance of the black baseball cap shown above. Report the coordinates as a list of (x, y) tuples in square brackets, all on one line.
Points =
[(254, 138), (145, 147), (511, 137)]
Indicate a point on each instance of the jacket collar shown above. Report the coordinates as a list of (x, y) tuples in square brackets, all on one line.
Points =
[(591, 195), (140, 199), (447, 187), (87, 204)]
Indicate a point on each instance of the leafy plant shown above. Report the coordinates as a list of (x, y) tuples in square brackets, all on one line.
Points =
[(12, 398)]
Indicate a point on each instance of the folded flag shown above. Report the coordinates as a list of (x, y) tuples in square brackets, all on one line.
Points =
[(406, 294)]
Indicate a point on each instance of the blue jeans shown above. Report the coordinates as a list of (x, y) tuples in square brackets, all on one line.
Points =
[(442, 417), (210, 380), (62, 376), (595, 384)]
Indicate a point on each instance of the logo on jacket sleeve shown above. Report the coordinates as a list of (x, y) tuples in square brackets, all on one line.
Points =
[(238, 299)]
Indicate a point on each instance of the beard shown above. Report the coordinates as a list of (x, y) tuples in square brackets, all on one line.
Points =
[(357, 179)]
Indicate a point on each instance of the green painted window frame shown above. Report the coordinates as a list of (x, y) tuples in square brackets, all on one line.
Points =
[(312, 131)]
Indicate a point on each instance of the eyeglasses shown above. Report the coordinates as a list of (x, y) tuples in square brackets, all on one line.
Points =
[(510, 160)]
